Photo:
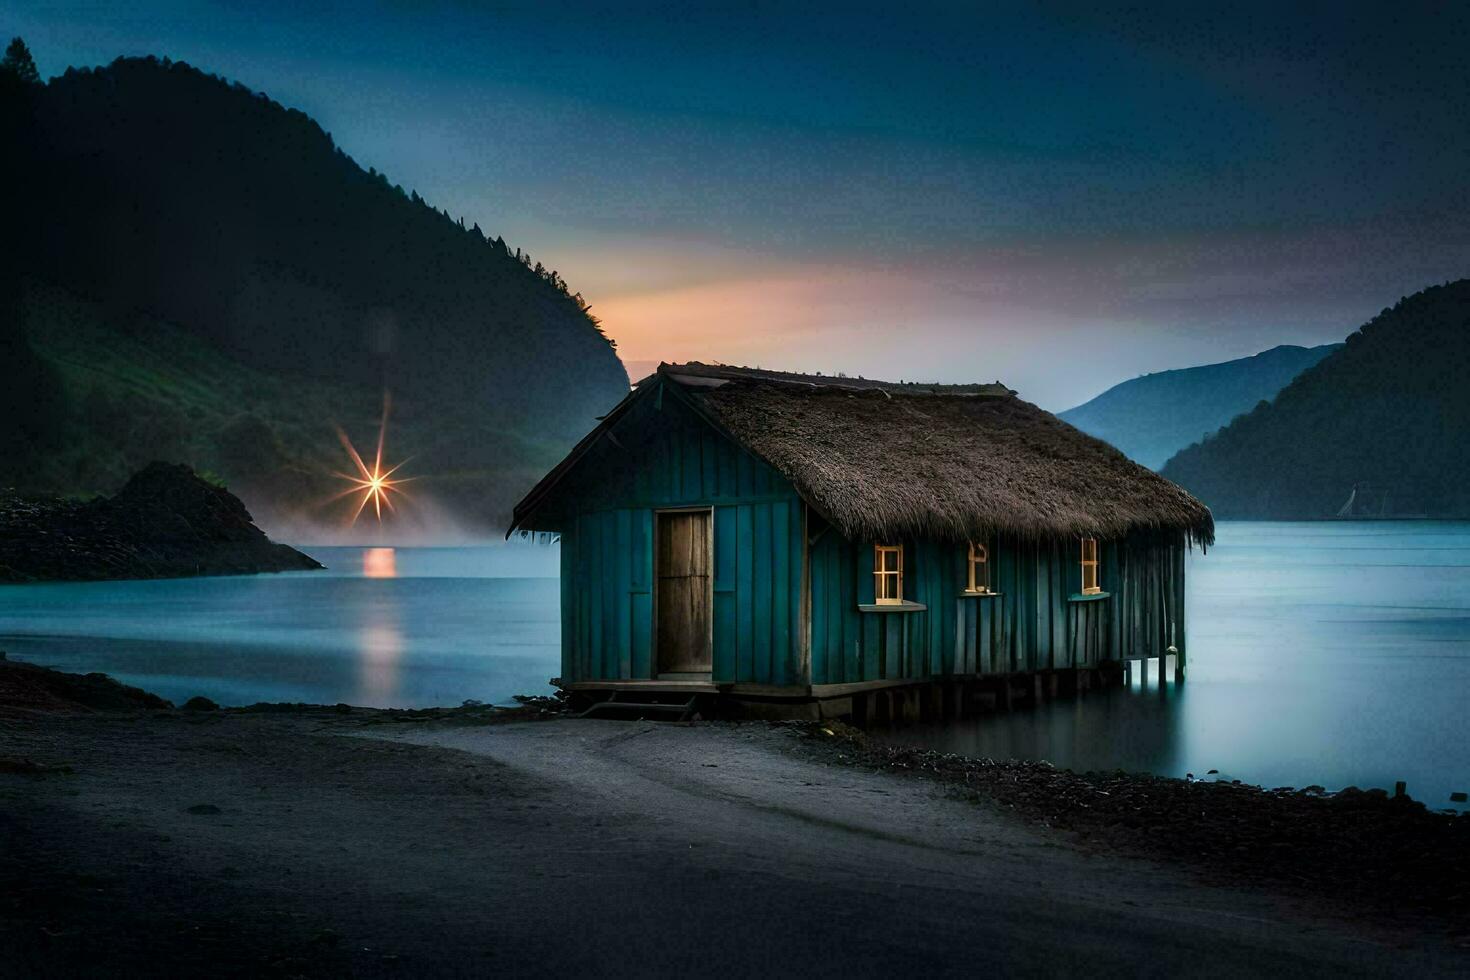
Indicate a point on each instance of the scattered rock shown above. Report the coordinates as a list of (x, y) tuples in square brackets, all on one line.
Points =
[(1418, 861)]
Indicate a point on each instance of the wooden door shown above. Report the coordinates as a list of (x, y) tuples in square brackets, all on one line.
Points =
[(683, 570)]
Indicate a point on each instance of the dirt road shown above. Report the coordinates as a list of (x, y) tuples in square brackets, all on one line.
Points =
[(614, 848)]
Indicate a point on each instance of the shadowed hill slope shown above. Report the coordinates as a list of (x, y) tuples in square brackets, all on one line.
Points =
[(157, 194), (1154, 416), (1390, 413)]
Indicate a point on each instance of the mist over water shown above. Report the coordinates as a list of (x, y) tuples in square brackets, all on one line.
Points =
[(1331, 653)]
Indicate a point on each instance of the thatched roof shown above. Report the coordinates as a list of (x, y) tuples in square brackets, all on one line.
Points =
[(881, 459)]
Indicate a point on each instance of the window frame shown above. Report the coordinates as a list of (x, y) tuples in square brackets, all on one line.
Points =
[(881, 571), (972, 586), (1091, 566)]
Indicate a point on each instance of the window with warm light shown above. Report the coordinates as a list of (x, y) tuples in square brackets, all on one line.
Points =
[(888, 574), (978, 582), (1091, 580)]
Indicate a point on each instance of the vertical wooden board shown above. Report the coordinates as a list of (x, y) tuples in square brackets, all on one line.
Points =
[(612, 601), (853, 658), (568, 597), (641, 616), (641, 567), (871, 647), (841, 639), (1026, 609), (801, 596), (658, 452), (762, 559), (893, 645), (977, 634), (726, 485), (783, 652), (1017, 659), (821, 663), (964, 633), (596, 590), (1006, 652), (1182, 641), (1058, 605), (1115, 577), (584, 600), (911, 633), (760, 478), (933, 655), (693, 485), (724, 669), (940, 636), (639, 482), (939, 654), (726, 548), (1041, 608), (709, 448), (623, 562), (742, 474), (744, 594), (828, 605)]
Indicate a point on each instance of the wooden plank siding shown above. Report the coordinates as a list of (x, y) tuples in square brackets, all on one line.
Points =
[(766, 630), (1031, 625), (665, 457)]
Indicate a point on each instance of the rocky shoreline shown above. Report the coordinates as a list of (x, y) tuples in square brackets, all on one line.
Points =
[(166, 522), (1364, 848)]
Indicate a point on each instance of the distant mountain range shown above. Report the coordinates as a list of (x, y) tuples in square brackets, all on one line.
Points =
[(200, 275), (1152, 417), (1388, 414)]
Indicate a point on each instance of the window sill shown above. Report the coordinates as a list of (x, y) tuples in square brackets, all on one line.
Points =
[(1094, 597), (899, 607), (980, 595)]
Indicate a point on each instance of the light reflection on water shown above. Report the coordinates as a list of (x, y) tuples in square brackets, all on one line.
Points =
[(406, 627), (1331, 653), (380, 562)]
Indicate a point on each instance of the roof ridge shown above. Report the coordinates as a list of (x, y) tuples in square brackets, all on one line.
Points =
[(702, 375)]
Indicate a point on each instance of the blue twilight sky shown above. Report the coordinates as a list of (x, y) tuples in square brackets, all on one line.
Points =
[(1060, 197)]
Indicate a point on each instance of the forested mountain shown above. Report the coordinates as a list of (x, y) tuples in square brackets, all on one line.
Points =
[(1154, 416), (1389, 414), (201, 275)]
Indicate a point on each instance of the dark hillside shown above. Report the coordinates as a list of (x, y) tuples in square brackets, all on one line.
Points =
[(152, 193), (1389, 413), (1154, 416)]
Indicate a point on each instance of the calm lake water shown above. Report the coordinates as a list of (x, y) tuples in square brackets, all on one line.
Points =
[(1331, 653), (405, 627)]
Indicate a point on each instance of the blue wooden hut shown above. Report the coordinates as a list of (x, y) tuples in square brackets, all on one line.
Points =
[(829, 546)]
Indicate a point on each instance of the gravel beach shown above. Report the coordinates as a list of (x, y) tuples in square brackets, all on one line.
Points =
[(306, 841)]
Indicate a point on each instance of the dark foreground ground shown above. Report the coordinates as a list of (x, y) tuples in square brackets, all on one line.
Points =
[(323, 843)]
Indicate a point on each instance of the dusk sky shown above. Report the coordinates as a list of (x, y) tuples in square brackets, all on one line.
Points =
[(1060, 200)]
